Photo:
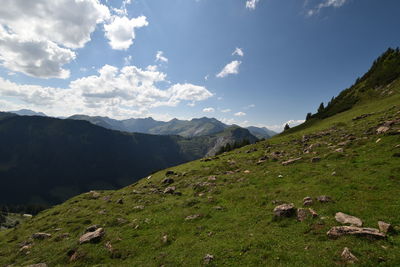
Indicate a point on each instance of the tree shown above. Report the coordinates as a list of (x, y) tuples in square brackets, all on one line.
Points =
[(287, 127), (308, 116), (321, 107)]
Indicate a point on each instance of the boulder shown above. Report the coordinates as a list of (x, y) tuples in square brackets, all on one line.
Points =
[(348, 219), (208, 259), (120, 201), (285, 210), (41, 236), (382, 129), (338, 231), (314, 214), (192, 217), (307, 201), (348, 257), (93, 194), (385, 227), (324, 199), (290, 161), (92, 237), (170, 190)]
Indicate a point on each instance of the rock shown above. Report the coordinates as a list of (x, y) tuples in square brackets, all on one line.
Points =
[(170, 173), (140, 207), (339, 150), (208, 259), (92, 228), (120, 201), (41, 236), (290, 161), (73, 255), (338, 231), (212, 178), (314, 214), (94, 194), (109, 246), (361, 117), (170, 190), (382, 129), (164, 239), (92, 237), (324, 199), (348, 219), (38, 265), (378, 140), (247, 172), (192, 217), (302, 214), (107, 198), (348, 257), (218, 208), (168, 181), (385, 227), (315, 159), (285, 210), (333, 173), (307, 201)]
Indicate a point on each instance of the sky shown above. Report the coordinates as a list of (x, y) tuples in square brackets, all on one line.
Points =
[(246, 62)]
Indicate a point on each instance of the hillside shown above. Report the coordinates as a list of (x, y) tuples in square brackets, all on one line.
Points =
[(46, 160), (222, 210), (193, 128)]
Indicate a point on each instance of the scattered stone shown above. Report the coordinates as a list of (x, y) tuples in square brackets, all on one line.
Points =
[(338, 231), (314, 214), (307, 201), (333, 173), (25, 249), (348, 257), (109, 246), (397, 146), (280, 176), (94, 194), (315, 159), (192, 217), (74, 255), (378, 140), (247, 172), (140, 207), (38, 265), (170, 190), (136, 192), (107, 198), (218, 208), (382, 129), (92, 237), (92, 228), (348, 219), (290, 161), (324, 199), (208, 258), (385, 227), (41, 236), (149, 177), (345, 143), (262, 160), (285, 210), (168, 181), (62, 237), (339, 150), (212, 178), (302, 214), (121, 221), (120, 201), (361, 117)]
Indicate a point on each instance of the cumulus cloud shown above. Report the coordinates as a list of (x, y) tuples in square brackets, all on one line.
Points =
[(279, 127), (230, 68), (37, 37), (238, 52), (208, 110), (251, 4), (160, 57), (325, 4), (121, 31), (120, 93), (240, 114)]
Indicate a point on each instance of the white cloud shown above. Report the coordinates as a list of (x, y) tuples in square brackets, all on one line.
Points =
[(279, 127), (238, 51), (251, 4), (240, 114), (208, 110), (230, 68), (226, 110), (160, 57), (127, 60), (121, 31), (325, 4), (37, 37), (121, 93)]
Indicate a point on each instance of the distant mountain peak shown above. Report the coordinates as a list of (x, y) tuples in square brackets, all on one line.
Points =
[(28, 112)]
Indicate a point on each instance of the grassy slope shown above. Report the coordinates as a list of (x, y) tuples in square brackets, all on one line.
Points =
[(367, 185)]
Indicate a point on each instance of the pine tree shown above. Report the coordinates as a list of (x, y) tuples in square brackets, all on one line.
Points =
[(308, 116), (287, 127), (321, 107)]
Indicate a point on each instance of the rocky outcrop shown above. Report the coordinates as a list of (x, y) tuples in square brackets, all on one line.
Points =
[(348, 219), (92, 237), (339, 231), (285, 210)]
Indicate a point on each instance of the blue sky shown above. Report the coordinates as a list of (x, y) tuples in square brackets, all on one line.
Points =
[(261, 63)]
